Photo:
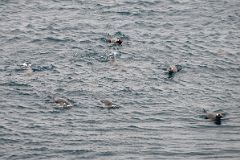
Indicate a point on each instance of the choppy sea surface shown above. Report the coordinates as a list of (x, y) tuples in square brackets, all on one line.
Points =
[(158, 117)]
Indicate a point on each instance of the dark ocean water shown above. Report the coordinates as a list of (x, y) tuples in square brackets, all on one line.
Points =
[(158, 117)]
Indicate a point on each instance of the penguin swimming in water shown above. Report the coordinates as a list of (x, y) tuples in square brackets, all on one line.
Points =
[(115, 41), (28, 68), (216, 117), (62, 103), (109, 104), (174, 69)]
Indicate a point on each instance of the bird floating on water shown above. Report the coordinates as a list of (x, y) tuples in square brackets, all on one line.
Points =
[(216, 117), (109, 104), (115, 41), (28, 68), (174, 69), (63, 103)]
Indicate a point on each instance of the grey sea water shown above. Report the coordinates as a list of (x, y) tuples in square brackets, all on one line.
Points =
[(158, 117)]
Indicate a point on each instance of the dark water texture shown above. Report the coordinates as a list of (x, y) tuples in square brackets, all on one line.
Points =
[(158, 118)]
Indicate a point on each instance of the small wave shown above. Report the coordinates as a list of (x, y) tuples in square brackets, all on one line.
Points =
[(35, 40), (43, 68), (58, 39), (13, 83), (124, 13), (8, 140), (121, 35), (73, 151)]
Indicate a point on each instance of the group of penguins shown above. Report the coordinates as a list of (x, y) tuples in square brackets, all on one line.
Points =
[(64, 103)]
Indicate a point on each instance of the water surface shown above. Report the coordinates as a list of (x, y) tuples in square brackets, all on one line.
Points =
[(158, 118)]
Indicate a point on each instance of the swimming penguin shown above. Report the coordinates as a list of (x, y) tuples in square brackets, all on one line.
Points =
[(63, 103), (174, 69), (216, 117), (115, 41), (109, 104), (28, 68)]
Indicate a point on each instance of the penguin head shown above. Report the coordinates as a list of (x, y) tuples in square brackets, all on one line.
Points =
[(119, 41), (219, 116), (26, 65), (172, 70)]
